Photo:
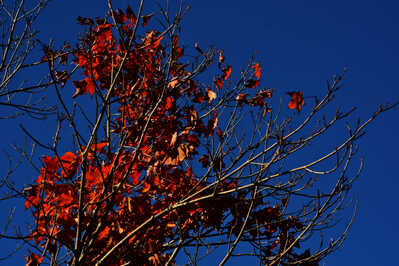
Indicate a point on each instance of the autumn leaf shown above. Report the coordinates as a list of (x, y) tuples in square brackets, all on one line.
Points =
[(173, 140), (65, 199), (204, 160), (221, 58), (146, 18), (219, 83), (257, 70), (120, 16), (151, 40), (97, 147), (70, 163), (169, 103), (155, 260), (157, 42), (173, 83), (252, 83), (33, 259), (297, 100), (177, 51), (241, 98), (266, 93), (131, 16), (226, 72), (83, 87), (211, 95), (160, 121), (146, 187), (51, 163), (104, 233), (33, 194)]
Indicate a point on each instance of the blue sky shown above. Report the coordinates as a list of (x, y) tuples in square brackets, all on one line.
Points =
[(300, 44)]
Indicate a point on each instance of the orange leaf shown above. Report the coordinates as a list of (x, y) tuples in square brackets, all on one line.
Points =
[(33, 259), (183, 152), (257, 70), (211, 94), (173, 83), (51, 164), (98, 147), (221, 58), (70, 163), (241, 97), (146, 187), (297, 100), (104, 233), (226, 72), (157, 42), (173, 140)]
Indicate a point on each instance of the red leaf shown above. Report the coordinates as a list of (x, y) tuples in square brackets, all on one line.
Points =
[(136, 176), (83, 87), (146, 18), (70, 163), (221, 58), (104, 32), (266, 93), (33, 259), (104, 233), (120, 17), (51, 164), (132, 17), (204, 160), (252, 83), (219, 83), (169, 103), (226, 72), (157, 42), (297, 100), (99, 147), (146, 187), (257, 70)]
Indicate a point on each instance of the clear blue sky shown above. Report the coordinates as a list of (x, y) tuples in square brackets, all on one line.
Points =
[(301, 44)]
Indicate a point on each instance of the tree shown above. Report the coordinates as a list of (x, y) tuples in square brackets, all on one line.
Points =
[(166, 165), (20, 95), (18, 40)]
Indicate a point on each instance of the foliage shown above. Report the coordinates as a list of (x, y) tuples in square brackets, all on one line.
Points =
[(170, 164)]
